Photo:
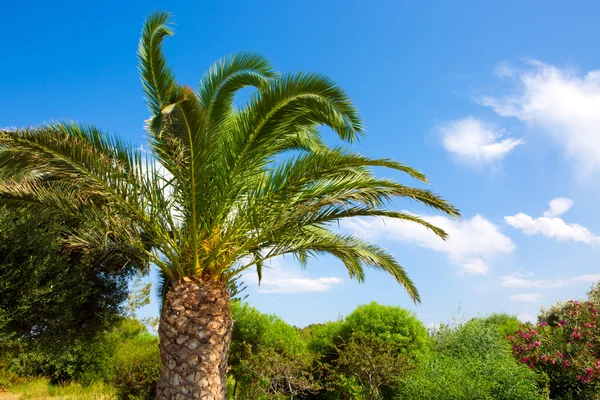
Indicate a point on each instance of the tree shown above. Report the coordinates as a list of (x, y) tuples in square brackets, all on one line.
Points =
[(224, 190), (51, 296)]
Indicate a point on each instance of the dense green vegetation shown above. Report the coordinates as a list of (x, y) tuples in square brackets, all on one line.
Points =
[(51, 296), (376, 352)]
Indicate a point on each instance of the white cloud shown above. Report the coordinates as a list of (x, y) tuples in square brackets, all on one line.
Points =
[(471, 242), (551, 226), (517, 281), (474, 267), (472, 140), (280, 278), (558, 206), (504, 70), (526, 317), (298, 285), (528, 297), (563, 103)]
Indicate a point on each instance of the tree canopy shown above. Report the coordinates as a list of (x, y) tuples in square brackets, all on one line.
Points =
[(51, 294)]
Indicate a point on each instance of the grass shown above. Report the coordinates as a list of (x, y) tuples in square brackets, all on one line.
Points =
[(41, 389)]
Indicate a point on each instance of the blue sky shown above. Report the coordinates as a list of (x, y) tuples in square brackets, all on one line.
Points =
[(497, 102)]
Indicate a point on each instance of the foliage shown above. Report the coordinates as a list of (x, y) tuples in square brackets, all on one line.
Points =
[(321, 338), (505, 324), (136, 367), (83, 360), (51, 295), (268, 356), (396, 325), (139, 296), (469, 362), (271, 373), (565, 348), (126, 357), (593, 294), (372, 363), (253, 331), (365, 353)]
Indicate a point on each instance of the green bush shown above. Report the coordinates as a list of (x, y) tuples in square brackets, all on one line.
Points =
[(136, 368), (505, 324), (268, 356), (470, 362), (365, 354), (321, 340), (85, 361), (394, 324)]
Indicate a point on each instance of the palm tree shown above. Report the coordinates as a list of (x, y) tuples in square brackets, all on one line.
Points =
[(225, 189)]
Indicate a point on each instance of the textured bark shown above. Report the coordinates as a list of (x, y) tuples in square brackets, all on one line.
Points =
[(195, 332)]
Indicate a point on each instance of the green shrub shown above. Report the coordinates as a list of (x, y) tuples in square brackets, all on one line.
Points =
[(469, 362), (136, 368), (268, 356), (505, 324), (373, 364), (394, 324), (85, 361), (368, 352)]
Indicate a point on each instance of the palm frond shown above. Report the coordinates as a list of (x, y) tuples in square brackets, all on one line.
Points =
[(158, 80), (226, 77)]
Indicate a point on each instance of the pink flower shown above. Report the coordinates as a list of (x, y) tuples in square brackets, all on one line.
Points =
[(526, 359), (543, 324), (537, 344), (544, 358), (566, 363)]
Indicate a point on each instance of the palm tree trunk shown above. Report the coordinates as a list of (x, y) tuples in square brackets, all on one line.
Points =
[(195, 332)]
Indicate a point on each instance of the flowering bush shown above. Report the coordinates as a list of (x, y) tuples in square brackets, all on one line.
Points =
[(566, 349)]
